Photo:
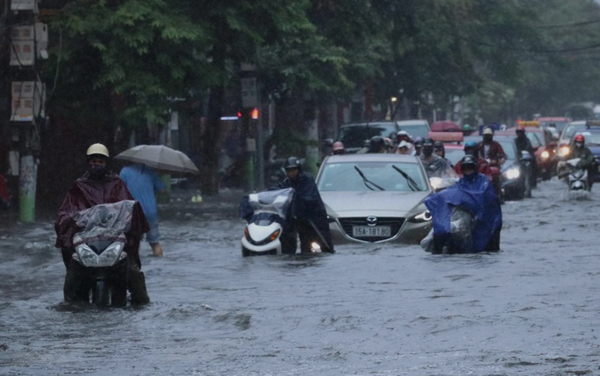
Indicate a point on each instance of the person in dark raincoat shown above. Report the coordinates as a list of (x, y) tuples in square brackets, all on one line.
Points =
[(475, 194), (586, 158), (307, 210), (100, 186)]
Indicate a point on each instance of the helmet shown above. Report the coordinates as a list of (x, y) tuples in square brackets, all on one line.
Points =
[(488, 130), (467, 127), (376, 143), (428, 142), (291, 163), (418, 141), (470, 144), (468, 160), (402, 135), (338, 146), (579, 138), (438, 145), (97, 150)]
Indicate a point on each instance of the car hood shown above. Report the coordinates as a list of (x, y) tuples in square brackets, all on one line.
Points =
[(353, 204), (595, 150)]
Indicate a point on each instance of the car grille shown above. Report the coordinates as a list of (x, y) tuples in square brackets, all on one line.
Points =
[(394, 223)]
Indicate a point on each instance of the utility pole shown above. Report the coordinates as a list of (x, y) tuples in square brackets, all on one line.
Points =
[(28, 44)]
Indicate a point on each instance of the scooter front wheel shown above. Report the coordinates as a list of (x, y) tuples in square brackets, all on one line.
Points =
[(101, 294)]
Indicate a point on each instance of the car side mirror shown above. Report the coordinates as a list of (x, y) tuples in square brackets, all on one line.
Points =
[(535, 148)]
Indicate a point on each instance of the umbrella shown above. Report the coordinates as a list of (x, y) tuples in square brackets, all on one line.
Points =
[(160, 157)]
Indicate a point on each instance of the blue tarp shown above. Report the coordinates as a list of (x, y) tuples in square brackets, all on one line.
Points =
[(479, 198)]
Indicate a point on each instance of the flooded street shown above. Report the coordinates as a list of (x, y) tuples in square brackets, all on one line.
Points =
[(531, 309)]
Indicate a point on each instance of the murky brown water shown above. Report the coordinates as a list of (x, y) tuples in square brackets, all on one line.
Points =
[(532, 309)]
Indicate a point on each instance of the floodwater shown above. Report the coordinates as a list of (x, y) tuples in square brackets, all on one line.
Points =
[(531, 309)]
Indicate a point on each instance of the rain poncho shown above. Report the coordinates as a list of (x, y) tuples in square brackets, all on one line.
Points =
[(475, 194), (86, 193), (308, 205), (272, 205), (142, 182)]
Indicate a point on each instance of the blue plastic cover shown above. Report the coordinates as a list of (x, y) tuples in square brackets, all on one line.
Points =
[(476, 195)]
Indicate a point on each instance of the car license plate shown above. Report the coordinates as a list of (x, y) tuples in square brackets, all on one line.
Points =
[(377, 231)]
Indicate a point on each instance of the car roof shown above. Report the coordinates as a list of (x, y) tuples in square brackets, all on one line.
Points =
[(555, 118), (412, 122), (371, 123), (371, 157)]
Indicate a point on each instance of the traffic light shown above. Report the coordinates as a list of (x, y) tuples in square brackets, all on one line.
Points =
[(254, 113)]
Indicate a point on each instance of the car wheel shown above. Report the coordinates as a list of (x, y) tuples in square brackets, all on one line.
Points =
[(245, 252)]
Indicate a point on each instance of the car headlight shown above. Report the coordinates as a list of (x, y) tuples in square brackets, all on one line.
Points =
[(113, 253), (421, 217), (512, 173), (564, 150), (545, 154)]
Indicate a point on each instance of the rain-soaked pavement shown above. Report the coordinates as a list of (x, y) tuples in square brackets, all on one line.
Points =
[(531, 309)]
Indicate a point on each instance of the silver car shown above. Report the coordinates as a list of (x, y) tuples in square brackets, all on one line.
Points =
[(374, 198)]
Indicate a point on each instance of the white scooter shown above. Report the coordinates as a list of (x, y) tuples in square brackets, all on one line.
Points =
[(576, 178), (267, 212)]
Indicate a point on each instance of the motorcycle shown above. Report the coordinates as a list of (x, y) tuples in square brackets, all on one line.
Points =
[(99, 264), (266, 213), (466, 219), (576, 178)]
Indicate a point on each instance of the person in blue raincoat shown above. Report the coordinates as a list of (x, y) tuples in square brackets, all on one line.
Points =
[(308, 212), (475, 194), (142, 182)]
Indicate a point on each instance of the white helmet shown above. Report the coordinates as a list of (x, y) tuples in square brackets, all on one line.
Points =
[(97, 149)]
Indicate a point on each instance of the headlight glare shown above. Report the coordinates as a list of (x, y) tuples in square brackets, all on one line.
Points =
[(512, 173)]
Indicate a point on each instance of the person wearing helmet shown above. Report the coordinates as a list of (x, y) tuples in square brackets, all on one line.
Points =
[(474, 193), (586, 158), (377, 145), (435, 166), (440, 151), (418, 146), (467, 129), (524, 144), (99, 185), (404, 148), (483, 167), (493, 152), (307, 211), (402, 137), (338, 148)]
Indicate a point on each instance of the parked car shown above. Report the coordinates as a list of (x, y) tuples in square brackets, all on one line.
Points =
[(354, 135), (375, 198)]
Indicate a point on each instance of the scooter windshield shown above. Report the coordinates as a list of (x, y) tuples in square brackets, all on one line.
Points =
[(105, 221), (272, 202)]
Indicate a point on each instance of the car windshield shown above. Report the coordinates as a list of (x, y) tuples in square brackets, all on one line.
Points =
[(559, 125), (416, 130), (509, 148), (371, 176), (570, 130), (591, 138), (354, 136), (533, 138)]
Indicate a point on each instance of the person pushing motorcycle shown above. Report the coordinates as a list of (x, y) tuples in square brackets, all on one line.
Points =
[(308, 213)]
